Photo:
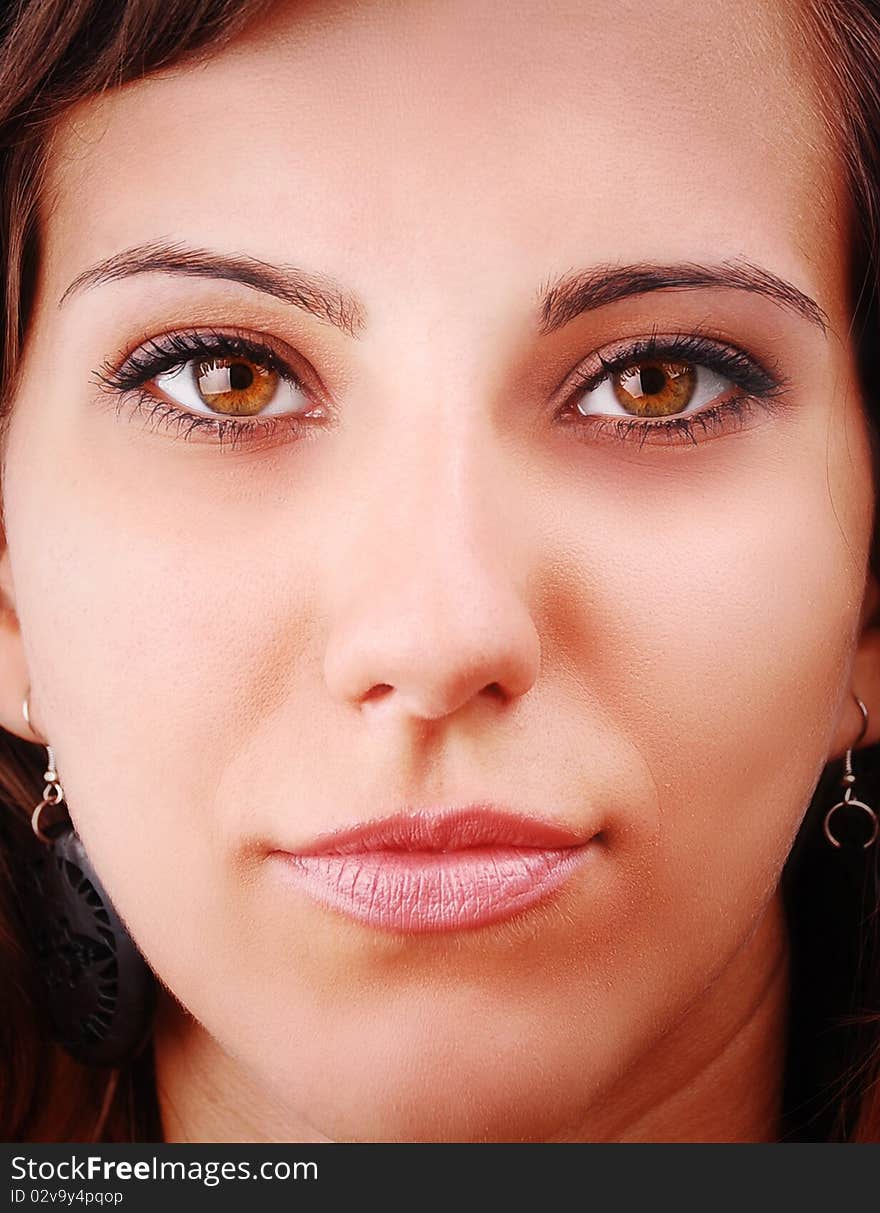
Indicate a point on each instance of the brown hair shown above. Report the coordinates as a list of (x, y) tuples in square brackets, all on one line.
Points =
[(54, 53)]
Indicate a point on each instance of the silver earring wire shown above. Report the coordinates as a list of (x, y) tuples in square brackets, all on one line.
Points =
[(53, 793), (848, 780)]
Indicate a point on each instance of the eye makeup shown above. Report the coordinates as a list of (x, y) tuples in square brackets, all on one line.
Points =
[(653, 363), (646, 373), (165, 355)]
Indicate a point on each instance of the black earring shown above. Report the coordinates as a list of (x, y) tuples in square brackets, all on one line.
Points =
[(100, 992)]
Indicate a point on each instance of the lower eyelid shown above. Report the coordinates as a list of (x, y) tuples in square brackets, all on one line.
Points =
[(218, 431), (708, 423)]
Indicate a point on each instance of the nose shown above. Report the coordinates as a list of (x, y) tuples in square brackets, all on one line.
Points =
[(431, 609)]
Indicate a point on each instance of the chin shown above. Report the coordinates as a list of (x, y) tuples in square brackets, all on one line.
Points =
[(440, 1093)]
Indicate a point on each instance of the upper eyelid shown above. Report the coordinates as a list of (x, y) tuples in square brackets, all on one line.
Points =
[(195, 339), (113, 370), (663, 344), (247, 347), (580, 376)]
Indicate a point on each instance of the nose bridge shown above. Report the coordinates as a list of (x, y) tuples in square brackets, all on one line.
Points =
[(430, 606)]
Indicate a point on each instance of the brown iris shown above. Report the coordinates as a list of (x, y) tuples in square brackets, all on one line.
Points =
[(655, 388), (237, 386)]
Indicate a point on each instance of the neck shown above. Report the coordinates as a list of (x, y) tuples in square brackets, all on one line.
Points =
[(715, 1077)]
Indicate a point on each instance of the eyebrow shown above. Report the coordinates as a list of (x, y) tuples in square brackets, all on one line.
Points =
[(575, 293), (314, 293), (559, 301)]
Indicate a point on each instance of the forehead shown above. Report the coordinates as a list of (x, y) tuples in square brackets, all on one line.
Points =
[(409, 144)]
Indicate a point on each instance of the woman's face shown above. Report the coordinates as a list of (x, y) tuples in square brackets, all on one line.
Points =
[(461, 570)]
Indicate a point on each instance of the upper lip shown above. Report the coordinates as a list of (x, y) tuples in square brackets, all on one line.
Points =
[(446, 829)]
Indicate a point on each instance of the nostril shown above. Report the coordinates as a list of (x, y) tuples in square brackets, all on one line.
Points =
[(376, 692)]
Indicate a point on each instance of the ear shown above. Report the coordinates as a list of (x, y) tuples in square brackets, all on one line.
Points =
[(865, 679), (15, 679)]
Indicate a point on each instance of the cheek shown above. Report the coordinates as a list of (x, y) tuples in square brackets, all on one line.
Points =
[(172, 636), (741, 587)]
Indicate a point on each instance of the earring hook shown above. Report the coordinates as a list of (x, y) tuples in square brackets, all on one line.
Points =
[(53, 792), (848, 777), (864, 728)]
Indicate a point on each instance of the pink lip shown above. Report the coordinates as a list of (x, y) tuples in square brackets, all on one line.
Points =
[(437, 870)]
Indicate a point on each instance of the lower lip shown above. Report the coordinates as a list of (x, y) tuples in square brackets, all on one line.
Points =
[(420, 891)]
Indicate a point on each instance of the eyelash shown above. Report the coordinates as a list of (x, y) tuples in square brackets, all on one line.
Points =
[(158, 355), (759, 388)]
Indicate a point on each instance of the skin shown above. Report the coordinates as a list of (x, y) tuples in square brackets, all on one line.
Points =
[(442, 593)]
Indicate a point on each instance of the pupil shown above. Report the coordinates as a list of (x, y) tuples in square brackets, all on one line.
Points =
[(240, 376), (653, 380)]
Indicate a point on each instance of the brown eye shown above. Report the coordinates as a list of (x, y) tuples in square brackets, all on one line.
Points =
[(654, 388), (237, 387), (232, 385)]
